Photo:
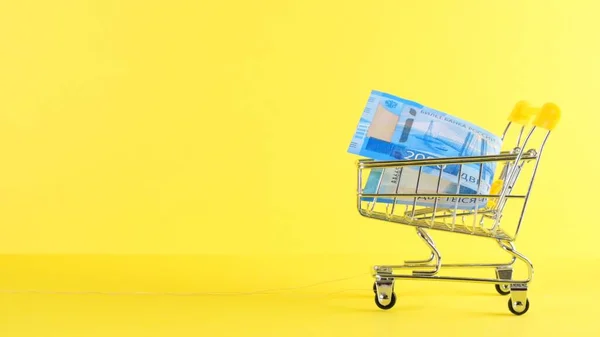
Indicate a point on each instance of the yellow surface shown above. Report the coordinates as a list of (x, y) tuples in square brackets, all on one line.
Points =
[(201, 128), (318, 296)]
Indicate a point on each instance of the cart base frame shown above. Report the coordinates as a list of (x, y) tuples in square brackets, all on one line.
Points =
[(428, 269)]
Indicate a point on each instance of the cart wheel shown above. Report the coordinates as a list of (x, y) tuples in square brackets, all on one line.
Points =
[(386, 306), (503, 289), (519, 311)]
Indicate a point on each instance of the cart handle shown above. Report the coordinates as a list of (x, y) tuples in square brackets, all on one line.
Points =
[(522, 113), (548, 117)]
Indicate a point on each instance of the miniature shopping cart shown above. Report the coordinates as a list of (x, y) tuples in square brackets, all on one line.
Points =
[(478, 222)]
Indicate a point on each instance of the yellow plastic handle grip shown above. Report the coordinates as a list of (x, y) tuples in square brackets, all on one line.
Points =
[(522, 113), (548, 117)]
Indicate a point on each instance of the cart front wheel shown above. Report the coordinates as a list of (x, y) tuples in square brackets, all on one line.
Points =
[(520, 309), (503, 289), (386, 306)]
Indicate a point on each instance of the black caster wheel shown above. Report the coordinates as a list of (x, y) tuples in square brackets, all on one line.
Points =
[(385, 306), (520, 311), (503, 289)]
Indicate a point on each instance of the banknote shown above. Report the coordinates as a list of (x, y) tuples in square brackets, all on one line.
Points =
[(394, 128)]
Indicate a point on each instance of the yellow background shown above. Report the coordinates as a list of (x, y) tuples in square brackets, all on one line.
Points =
[(215, 132)]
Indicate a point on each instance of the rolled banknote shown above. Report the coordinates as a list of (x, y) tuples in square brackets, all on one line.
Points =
[(393, 128)]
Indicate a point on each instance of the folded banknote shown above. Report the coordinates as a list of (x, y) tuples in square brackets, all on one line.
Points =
[(393, 128)]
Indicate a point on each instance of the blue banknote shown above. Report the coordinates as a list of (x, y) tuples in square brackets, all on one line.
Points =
[(393, 128)]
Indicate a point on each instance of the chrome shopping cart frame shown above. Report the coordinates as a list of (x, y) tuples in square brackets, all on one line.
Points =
[(484, 222)]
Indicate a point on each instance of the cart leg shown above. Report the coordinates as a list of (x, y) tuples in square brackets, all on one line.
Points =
[(420, 262), (434, 253), (503, 273), (518, 303), (430, 244)]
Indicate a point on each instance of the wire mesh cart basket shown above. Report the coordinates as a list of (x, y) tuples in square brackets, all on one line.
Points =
[(484, 221)]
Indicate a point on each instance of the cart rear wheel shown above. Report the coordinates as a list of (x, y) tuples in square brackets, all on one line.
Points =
[(521, 310), (385, 306), (503, 289)]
